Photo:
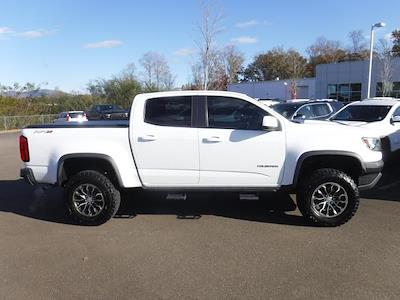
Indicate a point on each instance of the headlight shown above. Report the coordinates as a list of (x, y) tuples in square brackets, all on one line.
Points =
[(108, 116), (372, 143)]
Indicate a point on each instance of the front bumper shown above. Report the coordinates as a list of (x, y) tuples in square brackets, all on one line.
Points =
[(27, 175), (372, 174)]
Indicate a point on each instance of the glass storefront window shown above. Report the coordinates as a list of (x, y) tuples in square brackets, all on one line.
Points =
[(395, 93), (345, 92), (332, 91), (355, 87)]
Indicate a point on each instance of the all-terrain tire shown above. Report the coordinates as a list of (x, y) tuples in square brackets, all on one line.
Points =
[(81, 186), (333, 180)]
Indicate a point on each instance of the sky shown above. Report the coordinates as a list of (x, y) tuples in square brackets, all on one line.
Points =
[(67, 43)]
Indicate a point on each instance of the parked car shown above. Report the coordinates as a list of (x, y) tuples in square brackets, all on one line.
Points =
[(269, 101), (107, 112), (307, 109), (381, 115), (71, 116), (203, 140)]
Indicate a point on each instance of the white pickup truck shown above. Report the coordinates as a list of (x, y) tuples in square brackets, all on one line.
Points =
[(203, 140)]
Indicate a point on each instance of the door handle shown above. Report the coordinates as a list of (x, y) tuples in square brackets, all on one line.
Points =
[(212, 139), (147, 138)]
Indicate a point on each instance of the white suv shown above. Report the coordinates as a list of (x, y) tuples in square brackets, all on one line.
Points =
[(382, 115)]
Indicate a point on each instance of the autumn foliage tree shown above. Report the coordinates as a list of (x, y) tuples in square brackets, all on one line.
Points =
[(276, 63), (396, 42)]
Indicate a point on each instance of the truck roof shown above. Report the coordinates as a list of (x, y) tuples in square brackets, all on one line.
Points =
[(193, 93), (378, 102)]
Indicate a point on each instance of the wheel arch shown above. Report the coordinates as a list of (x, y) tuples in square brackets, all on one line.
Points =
[(70, 164), (348, 162)]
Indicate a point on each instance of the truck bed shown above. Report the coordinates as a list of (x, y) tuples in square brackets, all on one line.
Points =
[(87, 124)]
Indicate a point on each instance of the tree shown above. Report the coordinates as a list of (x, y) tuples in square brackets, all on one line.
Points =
[(358, 48), (208, 27), (385, 58), (157, 75), (233, 60), (120, 89), (324, 51), (276, 63), (17, 90), (396, 42), (224, 67)]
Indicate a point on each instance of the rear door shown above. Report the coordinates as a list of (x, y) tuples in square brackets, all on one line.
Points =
[(165, 145), (235, 150)]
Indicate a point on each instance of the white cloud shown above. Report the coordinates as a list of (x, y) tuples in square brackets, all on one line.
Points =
[(104, 44), (32, 34), (251, 23), (246, 24), (388, 36), (5, 30), (184, 52), (244, 40)]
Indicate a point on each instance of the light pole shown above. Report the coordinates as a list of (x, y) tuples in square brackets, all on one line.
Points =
[(371, 50), (285, 84)]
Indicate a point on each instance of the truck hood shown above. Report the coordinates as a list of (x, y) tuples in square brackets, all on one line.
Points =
[(377, 127), (361, 128)]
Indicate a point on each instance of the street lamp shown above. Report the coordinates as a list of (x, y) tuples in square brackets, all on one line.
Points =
[(285, 84), (371, 49)]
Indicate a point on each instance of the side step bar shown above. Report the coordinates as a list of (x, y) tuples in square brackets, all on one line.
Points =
[(183, 196), (249, 196), (177, 196)]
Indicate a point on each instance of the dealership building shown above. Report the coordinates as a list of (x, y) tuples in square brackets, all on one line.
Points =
[(345, 81)]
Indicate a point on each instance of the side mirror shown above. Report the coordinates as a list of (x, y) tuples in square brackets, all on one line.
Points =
[(395, 119), (270, 122), (299, 117)]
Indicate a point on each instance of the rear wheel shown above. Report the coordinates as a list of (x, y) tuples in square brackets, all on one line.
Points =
[(329, 197), (92, 199)]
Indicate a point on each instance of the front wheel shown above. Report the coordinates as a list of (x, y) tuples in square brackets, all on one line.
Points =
[(91, 198), (329, 197)]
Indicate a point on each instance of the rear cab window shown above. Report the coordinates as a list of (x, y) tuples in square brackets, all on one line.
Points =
[(169, 111)]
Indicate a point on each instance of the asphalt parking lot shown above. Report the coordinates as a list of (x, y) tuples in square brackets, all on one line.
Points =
[(211, 246)]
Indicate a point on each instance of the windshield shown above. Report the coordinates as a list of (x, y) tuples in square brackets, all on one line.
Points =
[(76, 115), (363, 113), (110, 107), (286, 109)]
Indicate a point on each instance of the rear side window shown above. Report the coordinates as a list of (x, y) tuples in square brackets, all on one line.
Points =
[(231, 113), (311, 111), (169, 111)]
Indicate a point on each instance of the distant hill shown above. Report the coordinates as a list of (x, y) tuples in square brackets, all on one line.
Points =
[(32, 94)]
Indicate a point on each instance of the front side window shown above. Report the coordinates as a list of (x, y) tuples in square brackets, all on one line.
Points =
[(321, 110), (306, 111), (397, 112), (363, 113), (169, 111), (231, 113)]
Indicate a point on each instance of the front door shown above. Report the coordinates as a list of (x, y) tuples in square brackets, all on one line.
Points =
[(235, 150)]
